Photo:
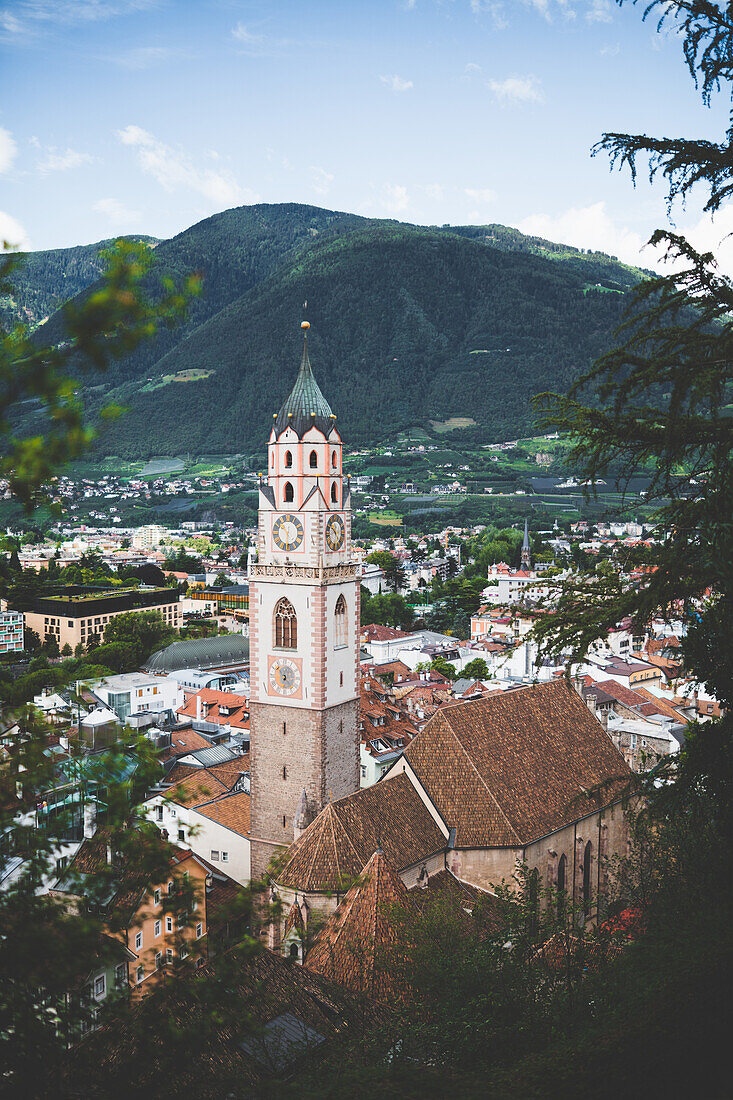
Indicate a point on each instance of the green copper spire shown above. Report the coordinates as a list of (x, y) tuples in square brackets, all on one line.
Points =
[(306, 407)]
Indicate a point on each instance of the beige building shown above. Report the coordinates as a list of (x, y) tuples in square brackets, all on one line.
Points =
[(75, 616), (149, 536)]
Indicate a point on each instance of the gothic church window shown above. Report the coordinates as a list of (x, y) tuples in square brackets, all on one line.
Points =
[(286, 625), (334, 460), (562, 869), (289, 495), (288, 459), (339, 621), (334, 493), (313, 460), (587, 864)]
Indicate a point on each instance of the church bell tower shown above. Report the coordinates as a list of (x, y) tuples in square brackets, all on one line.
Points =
[(304, 626)]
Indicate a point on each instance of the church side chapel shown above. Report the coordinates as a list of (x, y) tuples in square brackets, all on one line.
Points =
[(526, 777)]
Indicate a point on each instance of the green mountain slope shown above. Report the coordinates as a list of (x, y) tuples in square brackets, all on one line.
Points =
[(43, 281), (409, 324)]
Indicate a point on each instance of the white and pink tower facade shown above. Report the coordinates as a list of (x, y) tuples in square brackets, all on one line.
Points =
[(304, 626)]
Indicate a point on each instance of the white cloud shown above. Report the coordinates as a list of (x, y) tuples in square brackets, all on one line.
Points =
[(396, 83), (57, 161), (12, 232), (434, 191), (592, 227), (8, 149), (472, 67), (713, 235), (599, 12), (517, 89), (589, 227), (9, 24), (250, 41), (596, 11), (173, 168), (494, 9), (610, 51), (394, 198), (30, 16), (119, 214), (480, 194), (321, 180)]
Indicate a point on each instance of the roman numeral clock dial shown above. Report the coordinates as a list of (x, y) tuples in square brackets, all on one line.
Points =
[(284, 676), (335, 533), (287, 532)]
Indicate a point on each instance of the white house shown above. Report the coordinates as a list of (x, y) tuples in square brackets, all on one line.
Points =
[(216, 827), (133, 693)]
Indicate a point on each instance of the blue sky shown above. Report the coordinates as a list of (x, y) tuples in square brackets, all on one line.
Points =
[(121, 116)]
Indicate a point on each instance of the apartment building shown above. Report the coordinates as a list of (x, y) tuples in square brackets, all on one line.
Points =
[(11, 631), (77, 614)]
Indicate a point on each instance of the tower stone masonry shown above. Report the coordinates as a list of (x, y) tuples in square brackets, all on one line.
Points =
[(304, 626)]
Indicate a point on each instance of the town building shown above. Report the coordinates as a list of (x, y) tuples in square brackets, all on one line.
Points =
[(149, 536), (11, 631), (136, 912), (207, 810), (136, 696), (227, 654), (77, 615)]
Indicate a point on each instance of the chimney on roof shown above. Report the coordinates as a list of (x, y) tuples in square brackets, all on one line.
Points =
[(198, 705)]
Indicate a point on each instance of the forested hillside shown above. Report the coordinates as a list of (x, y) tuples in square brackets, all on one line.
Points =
[(409, 325), (43, 281)]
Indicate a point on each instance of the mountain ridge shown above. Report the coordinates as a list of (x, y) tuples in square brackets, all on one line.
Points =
[(410, 324)]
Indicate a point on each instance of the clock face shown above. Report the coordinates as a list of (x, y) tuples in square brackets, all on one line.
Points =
[(284, 676), (335, 533), (287, 532)]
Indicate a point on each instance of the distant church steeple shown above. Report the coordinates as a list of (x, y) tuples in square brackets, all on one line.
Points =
[(526, 558)]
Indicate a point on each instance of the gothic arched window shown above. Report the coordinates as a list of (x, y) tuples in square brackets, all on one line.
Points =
[(288, 459), (286, 625), (294, 952), (339, 621), (533, 898), (587, 865), (334, 493), (334, 460), (288, 495), (562, 870), (313, 460)]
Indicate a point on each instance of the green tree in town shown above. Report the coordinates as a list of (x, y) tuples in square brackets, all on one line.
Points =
[(140, 633), (477, 669), (392, 567)]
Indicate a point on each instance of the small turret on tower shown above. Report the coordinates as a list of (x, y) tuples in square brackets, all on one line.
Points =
[(526, 558)]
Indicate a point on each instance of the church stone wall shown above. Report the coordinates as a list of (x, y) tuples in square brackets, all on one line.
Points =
[(483, 867), (608, 834)]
